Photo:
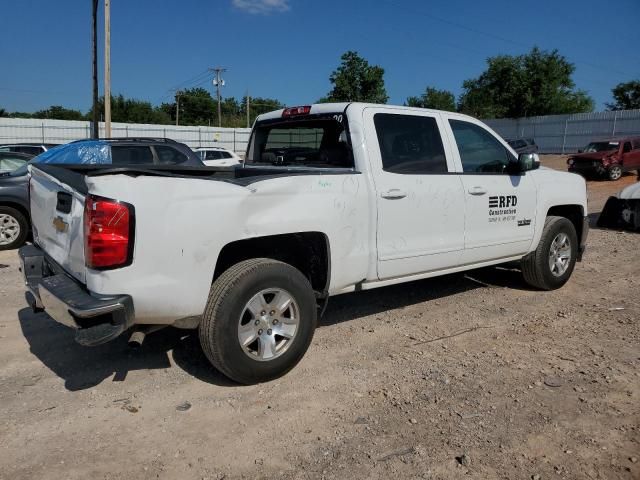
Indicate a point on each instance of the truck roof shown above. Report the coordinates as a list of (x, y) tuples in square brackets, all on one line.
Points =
[(320, 108)]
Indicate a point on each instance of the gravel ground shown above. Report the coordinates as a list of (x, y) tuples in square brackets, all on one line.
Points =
[(463, 376)]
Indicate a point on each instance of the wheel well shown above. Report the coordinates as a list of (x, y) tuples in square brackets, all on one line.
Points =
[(306, 251), (18, 207), (571, 212)]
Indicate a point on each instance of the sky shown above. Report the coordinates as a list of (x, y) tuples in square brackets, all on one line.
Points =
[(286, 49)]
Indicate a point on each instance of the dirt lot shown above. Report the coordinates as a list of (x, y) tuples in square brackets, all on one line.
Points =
[(466, 376)]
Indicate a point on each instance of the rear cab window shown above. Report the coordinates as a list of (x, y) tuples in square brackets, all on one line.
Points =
[(315, 141)]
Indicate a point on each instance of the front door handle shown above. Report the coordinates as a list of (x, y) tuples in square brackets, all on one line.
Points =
[(477, 190), (394, 194)]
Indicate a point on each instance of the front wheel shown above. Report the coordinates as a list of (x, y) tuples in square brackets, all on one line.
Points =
[(614, 172), (551, 264), (14, 228), (259, 320)]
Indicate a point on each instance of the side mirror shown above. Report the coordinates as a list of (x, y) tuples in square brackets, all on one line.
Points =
[(580, 150), (528, 161)]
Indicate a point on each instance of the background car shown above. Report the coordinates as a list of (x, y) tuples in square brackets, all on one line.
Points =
[(218, 157), (14, 186), (28, 148), (607, 158), (523, 145), (10, 161)]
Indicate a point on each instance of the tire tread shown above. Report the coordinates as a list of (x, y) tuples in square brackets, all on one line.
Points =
[(531, 264)]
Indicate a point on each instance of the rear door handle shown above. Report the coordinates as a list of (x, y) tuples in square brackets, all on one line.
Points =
[(394, 194), (477, 190)]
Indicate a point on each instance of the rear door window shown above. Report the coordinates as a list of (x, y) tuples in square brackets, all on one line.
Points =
[(169, 155), (9, 163), (213, 155), (480, 152), (131, 155), (410, 144)]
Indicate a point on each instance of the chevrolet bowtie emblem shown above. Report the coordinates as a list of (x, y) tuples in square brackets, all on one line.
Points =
[(60, 224)]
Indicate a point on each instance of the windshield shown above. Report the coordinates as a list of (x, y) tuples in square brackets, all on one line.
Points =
[(312, 141), (601, 147)]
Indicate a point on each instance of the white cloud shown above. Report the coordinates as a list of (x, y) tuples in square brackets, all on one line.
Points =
[(262, 6)]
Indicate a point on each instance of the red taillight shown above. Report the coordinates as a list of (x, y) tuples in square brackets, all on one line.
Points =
[(108, 233), (292, 111)]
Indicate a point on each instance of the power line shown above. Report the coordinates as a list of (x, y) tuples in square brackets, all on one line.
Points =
[(195, 78), (492, 35), (202, 77)]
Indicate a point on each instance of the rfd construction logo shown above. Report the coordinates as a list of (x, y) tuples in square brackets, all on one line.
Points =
[(503, 201), (502, 208)]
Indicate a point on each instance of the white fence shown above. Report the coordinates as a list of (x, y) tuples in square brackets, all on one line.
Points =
[(15, 130), (568, 133), (552, 133)]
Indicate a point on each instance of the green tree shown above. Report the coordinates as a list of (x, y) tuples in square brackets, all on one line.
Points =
[(3, 112), (130, 110), (626, 96), (537, 83), (357, 81), (434, 98), (197, 107), (21, 115), (57, 112), (257, 106)]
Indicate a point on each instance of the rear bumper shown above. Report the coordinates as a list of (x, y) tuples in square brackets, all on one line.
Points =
[(96, 318)]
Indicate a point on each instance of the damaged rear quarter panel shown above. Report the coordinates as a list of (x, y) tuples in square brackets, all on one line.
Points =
[(186, 226)]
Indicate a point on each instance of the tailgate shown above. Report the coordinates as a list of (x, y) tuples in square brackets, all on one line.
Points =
[(57, 215)]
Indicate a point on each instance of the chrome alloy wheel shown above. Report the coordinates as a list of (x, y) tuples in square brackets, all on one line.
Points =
[(560, 254), (268, 324), (9, 229), (615, 172)]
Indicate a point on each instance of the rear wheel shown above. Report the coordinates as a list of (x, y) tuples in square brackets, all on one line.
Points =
[(14, 228), (551, 264), (259, 320), (614, 172)]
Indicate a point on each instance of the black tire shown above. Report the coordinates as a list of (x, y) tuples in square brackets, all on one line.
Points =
[(614, 172), (535, 266), (23, 225), (228, 297)]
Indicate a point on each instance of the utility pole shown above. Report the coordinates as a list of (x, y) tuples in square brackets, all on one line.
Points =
[(218, 82), (248, 106), (107, 68), (95, 126), (178, 93)]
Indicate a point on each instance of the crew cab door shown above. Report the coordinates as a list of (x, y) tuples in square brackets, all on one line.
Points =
[(500, 207), (420, 202)]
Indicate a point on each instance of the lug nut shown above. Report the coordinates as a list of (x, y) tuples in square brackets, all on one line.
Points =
[(275, 321), (257, 322), (272, 312), (269, 332), (260, 332), (263, 313)]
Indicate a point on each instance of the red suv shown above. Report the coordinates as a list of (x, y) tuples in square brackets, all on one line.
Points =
[(608, 157)]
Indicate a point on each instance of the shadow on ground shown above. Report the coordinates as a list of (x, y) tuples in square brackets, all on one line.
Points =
[(85, 367)]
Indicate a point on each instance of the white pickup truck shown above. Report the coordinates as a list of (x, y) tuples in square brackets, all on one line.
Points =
[(332, 198)]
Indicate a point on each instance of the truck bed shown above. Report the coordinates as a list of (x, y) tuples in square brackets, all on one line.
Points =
[(73, 175)]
